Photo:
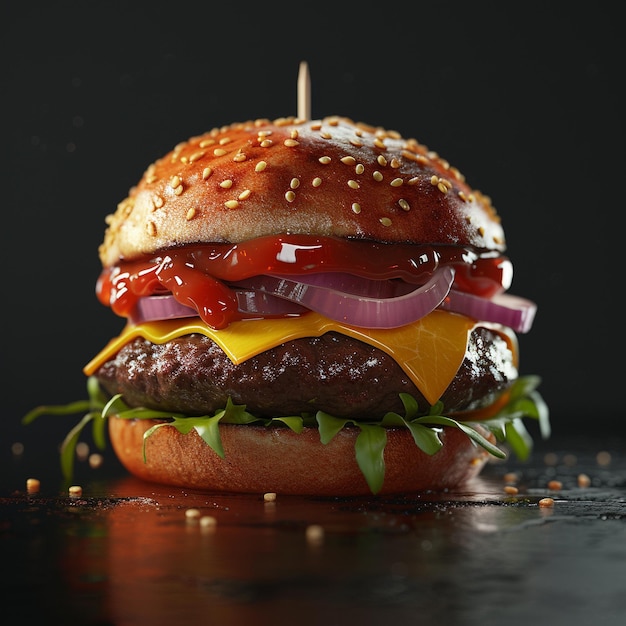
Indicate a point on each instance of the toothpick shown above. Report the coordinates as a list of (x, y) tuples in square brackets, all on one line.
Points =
[(304, 92)]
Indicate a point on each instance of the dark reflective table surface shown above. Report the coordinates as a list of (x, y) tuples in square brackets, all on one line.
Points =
[(128, 552)]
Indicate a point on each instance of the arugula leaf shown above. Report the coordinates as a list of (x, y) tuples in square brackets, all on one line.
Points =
[(471, 432), (518, 439), (369, 449), (329, 426), (426, 439), (68, 447)]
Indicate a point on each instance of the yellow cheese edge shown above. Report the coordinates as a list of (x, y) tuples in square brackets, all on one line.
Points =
[(430, 350)]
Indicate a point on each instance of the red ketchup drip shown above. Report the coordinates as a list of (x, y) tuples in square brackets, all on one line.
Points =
[(197, 275), (213, 300)]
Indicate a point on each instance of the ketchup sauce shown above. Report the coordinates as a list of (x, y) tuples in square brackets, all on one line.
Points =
[(198, 275)]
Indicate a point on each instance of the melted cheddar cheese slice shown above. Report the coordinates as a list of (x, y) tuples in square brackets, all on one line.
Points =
[(430, 350)]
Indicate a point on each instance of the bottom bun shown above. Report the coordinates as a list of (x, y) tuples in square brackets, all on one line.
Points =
[(261, 459)]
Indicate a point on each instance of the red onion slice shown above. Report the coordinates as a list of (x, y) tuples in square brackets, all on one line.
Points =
[(164, 307), (506, 309), (317, 292)]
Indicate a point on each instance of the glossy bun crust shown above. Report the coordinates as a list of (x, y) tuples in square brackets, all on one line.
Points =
[(329, 177), (259, 460)]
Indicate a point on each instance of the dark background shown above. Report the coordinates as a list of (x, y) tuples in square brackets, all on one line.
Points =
[(525, 99)]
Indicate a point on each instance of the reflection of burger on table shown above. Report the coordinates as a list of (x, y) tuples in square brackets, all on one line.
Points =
[(314, 307)]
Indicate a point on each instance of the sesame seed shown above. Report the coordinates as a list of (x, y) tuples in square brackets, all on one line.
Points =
[(266, 143), (206, 172), (226, 184), (190, 214), (260, 166), (511, 489), (314, 534), (75, 491), (294, 183), (348, 160), (395, 163), (231, 204), (379, 143), (290, 196), (175, 182), (356, 207), (240, 157), (178, 190), (413, 181), (244, 194), (151, 229), (382, 161), (95, 460), (555, 485), (208, 521), (205, 143), (404, 205), (353, 184), (291, 143), (442, 187), (219, 152), (317, 181), (462, 196), (377, 176), (546, 502), (82, 450), (270, 496), (410, 155), (356, 143), (583, 480), (385, 221), (360, 168), (33, 485), (294, 133), (196, 155), (192, 513), (326, 135), (396, 182), (434, 180), (325, 160), (455, 172)]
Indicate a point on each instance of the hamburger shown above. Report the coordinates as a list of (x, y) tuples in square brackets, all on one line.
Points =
[(313, 307)]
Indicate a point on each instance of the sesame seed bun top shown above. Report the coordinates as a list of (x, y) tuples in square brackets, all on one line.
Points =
[(329, 177)]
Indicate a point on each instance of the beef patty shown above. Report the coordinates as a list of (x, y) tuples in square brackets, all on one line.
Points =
[(333, 373)]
